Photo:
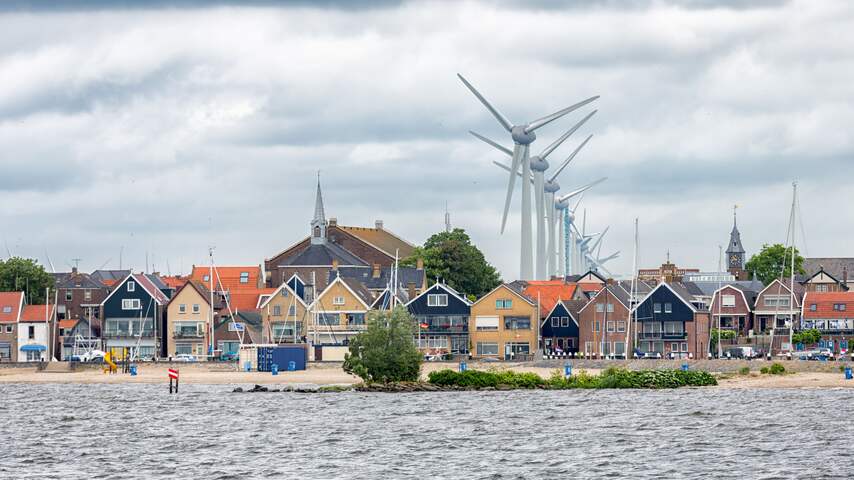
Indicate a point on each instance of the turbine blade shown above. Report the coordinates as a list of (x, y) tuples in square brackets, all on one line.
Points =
[(493, 143), (554, 116), (507, 169), (582, 190), (578, 203), (599, 240), (570, 158), (566, 135), (518, 152), (495, 113)]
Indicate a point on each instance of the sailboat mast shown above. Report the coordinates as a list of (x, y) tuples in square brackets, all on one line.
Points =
[(210, 285), (720, 301), (792, 265), (629, 345)]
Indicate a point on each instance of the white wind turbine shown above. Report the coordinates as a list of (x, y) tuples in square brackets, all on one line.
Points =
[(523, 135), (565, 218)]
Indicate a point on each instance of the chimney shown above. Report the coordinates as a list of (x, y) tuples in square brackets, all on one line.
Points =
[(379, 224), (419, 264), (334, 264), (410, 289), (375, 272), (74, 270), (333, 221)]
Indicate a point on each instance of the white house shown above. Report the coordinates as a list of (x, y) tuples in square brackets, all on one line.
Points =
[(34, 333)]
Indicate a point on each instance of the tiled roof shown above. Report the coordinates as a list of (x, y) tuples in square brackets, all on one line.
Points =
[(76, 280), (825, 301), (175, 282), (549, 292), (382, 239), (405, 276), (590, 286), (323, 254), (12, 302), (229, 277), (151, 288), (68, 323), (37, 313), (835, 266), (246, 300), (109, 277)]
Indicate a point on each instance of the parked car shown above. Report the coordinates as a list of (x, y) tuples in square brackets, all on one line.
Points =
[(816, 354), (92, 356), (744, 352), (186, 357)]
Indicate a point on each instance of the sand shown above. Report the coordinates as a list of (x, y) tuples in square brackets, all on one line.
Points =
[(332, 374)]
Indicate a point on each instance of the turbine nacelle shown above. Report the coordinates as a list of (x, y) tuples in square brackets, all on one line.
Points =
[(551, 186), (521, 136), (539, 164)]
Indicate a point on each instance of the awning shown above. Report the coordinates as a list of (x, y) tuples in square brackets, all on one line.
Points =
[(33, 348)]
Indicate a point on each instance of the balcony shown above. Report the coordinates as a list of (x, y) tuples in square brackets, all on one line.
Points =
[(188, 334), (127, 334), (446, 329)]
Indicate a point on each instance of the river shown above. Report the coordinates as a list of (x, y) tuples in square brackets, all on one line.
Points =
[(140, 431)]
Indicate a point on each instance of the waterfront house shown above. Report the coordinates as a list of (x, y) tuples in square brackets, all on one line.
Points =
[(11, 305), (503, 324), (188, 317), (822, 281), (778, 301), (832, 314), (558, 322), (284, 316), (79, 336), (837, 267), (231, 331), (79, 295), (442, 320), (731, 308), (34, 333), (339, 312), (603, 322), (669, 324), (133, 316)]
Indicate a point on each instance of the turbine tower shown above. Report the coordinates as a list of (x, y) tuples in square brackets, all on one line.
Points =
[(563, 223), (523, 135)]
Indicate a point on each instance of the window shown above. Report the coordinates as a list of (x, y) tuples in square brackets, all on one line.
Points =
[(338, 301), (656, 307), (600, 308), (277, 310), (621, 326), (487, 348), (588, 347), (285, 292), (68, 295), (684, 346), (9, 328), (813, 307), (131, 286), (131, 304), (674, 347), (244, 277), (7, 309), (517, 323), (776, 301), (355, 319), (503, 304), (182, 308), (668, 308), (564, 321), (609, 325), (87, 295), (206, 278), (196, 308), (292, 310), (839, 307), (328, 319), (284, 331), (183, 349), (555, 321), (31, 332), (619, 348), (821, 288), (486, 324), (610, 308), (596, 326), (673, 328), (728, 300), (437, 300), (236, 327)]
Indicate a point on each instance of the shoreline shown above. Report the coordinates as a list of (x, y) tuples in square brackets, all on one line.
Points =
[(332, 375)]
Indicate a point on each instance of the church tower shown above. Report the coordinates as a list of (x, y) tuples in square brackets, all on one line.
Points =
[(735, 252), (318, 223)]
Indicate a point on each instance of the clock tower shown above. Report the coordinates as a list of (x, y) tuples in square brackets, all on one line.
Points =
[(735, 252)]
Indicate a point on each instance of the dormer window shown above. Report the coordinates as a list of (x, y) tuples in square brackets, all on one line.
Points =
[(437, 300), (7, 309), (206, 278), (131, 286), (244, 277)]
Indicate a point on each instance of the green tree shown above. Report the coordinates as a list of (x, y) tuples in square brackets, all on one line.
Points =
[(807, 337), (385, 352), (717, 335), (768, 263), (451, 257), (25, 275)]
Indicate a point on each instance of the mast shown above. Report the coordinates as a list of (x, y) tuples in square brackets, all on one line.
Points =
[(211, 283), (632, 294), (792, 266), (720, 302)]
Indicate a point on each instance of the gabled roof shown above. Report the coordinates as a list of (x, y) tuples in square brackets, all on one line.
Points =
[(36, 313), (323, 255), (382, 299), (617, 292), (549, 292), (822, 271), (747, 303), (227, 279), (836, 266), (405, 276), (825, 301), (12, 301), (246, 300), (356, 288), (275, 293), (175, 281), (560, 304), (198, 287), (159, 297), (514, 287), (381, 239), (445, 288), (66, 280), (110, 277), (784, 289), (678, 291)]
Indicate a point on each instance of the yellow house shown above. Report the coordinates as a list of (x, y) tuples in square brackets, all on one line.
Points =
[(284, 316), (338, 313), (504, 324), (188, 321)]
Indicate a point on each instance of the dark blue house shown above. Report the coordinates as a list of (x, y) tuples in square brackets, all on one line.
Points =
[(443, 318), (670, 324), (133, 316), (559, 328)]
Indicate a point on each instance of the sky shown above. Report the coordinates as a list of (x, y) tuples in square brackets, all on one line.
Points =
[(158, 129)]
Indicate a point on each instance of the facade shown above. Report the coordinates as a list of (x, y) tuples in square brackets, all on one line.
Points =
[(231, 331), (558, 322), (79, 295), (777, 301), (339, 312), (832, 314), (442, 317), (503, 324), (11, 305), (732, 309), (133, 317), (560, 328), (34, 333), (822, 281), (188, 317), (670, 325), (603, 322), (284, 316)]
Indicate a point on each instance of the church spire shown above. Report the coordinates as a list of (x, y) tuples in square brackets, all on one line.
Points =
[(318, 223), (735, 251)]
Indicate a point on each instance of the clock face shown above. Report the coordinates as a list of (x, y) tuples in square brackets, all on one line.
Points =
[(733, 259)]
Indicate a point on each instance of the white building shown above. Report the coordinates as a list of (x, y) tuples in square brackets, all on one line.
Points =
[(34, 333)]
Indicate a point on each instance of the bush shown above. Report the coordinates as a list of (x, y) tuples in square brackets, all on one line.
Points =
[(777, 369), (385, 351), (764, 370), (807, 337), (744, 371), (610, 378)]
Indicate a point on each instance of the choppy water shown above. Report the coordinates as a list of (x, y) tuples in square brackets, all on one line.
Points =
[(139, 431)]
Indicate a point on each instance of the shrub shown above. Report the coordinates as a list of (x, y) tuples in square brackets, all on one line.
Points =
[(807, 337), (610, 378), (744, 371), (764, 370), (777, 369), (385, 351)]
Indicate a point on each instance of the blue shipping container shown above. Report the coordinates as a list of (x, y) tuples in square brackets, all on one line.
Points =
[(283, 355)]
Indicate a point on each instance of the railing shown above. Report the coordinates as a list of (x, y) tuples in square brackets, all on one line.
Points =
[(650, 334), (188, 334), (127, 334), (674, 335), (446, 329)]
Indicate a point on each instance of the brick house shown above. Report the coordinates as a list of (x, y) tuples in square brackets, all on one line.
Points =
[(734, 307), (603, 323), (11, 306), (79, 295), (822, 281), (778, 301), (832, 314)]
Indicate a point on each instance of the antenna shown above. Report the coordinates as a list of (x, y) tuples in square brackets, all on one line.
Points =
[(121, 250), (447, 218), (76, 262)]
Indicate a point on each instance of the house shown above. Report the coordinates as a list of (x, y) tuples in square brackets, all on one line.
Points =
[(284, 316), (587, 284), (442, 317), (503, 324), (603, 322), (339, 312), (731, 308), (777, 300), (79, 295), (832, 314), (133, 316), (79, 336), (837, 267), (109, 277), (822, 281), (188, 321), (330, 246), (668, 323), (411, 281), (11, 305), (34, 333), (558, 307), (232, 331), (667, 272), (231, 279)]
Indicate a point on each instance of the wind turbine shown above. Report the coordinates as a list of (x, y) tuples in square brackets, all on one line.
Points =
[(564, 217), (523, 135)]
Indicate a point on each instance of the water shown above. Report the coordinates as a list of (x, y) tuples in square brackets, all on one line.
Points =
[(139, 431)]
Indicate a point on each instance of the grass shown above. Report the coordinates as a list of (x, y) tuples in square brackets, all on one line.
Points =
[(610, 378)]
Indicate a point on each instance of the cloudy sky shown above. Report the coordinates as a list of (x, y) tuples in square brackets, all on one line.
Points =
[(167, 128)]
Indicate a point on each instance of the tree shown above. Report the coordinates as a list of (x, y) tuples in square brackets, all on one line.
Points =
[(25, 275), (385, 352), (807, 337), (451, 257), (773, 259)]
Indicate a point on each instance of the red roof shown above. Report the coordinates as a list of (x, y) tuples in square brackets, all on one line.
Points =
[(36, 313), (229, 277), (591, 286), (824, 305), (175, 282), (10, 306), (68, 323), (248, 300), (549, 292)]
